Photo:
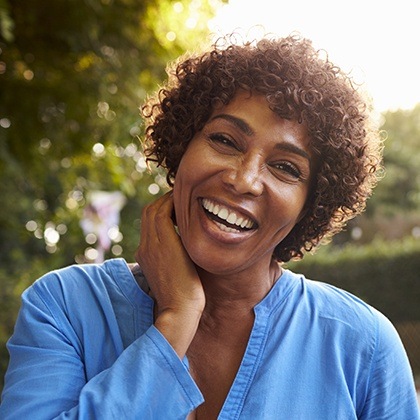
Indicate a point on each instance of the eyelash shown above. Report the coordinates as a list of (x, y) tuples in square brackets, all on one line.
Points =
[(287, 167), (221, 138)]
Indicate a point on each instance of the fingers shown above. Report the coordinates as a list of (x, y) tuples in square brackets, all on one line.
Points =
[(159, 216), (158, 234)]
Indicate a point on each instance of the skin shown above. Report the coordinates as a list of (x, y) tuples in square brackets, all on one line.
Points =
[(259, 166)]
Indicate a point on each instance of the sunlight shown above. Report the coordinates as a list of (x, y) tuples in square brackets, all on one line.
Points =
[(373, 40)]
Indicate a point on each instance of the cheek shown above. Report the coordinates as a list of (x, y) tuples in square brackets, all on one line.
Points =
[(290, 207), (183, 191)]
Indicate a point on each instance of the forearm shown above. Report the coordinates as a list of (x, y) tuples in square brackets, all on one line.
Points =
[(148, 379), (56, 371), (178, 328)]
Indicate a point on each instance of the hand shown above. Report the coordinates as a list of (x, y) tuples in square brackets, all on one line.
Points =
[(172, 276)]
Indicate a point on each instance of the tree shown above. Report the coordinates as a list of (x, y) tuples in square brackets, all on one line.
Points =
[(73, 75), (392, 212), (400, 188)]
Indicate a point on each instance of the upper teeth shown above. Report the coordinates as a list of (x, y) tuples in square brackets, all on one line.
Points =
[(226, 214)]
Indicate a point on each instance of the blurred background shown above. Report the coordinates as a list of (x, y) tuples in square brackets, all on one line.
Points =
[(73, 75)]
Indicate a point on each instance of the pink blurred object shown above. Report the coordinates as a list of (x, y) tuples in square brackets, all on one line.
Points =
[(101, 213)]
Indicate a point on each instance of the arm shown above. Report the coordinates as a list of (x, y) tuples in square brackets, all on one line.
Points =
[(46, 376), (391, 392)]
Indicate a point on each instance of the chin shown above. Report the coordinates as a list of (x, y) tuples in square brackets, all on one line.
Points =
[(221, 264)]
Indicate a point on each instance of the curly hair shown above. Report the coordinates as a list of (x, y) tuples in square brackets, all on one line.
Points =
[(299, 83)]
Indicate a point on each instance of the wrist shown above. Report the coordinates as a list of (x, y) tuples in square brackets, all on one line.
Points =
[(179, 328)]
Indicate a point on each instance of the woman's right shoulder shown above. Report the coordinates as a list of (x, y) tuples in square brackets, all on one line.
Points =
[(76, 282)]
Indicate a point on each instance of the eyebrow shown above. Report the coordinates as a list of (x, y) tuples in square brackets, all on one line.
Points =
[(246, 128), (238, 122), (288, 147)]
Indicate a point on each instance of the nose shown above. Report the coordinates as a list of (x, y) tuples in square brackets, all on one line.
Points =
[(245, 177)]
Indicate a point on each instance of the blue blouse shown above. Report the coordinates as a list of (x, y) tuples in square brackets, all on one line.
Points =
[(85, 347)]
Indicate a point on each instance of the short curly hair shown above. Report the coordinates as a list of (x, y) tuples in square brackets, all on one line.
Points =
[(299, 83)]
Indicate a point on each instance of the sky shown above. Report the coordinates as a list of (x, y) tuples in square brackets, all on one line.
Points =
[(376, 41)]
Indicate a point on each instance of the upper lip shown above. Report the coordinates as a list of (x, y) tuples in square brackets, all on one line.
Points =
[(248, 219)]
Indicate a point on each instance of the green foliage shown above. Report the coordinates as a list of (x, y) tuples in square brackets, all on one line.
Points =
[(400, 188), (6, 23), (393, 210), (72, 77)]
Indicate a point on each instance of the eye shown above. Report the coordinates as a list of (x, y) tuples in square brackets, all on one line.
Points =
[(288, 168), (223, 141)]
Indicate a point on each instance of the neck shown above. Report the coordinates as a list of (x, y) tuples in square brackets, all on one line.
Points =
[(238, 292)]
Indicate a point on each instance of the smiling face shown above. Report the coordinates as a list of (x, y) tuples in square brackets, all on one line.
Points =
[(241, 186)]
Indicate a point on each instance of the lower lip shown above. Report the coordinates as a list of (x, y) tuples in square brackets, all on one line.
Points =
[(215, 232)]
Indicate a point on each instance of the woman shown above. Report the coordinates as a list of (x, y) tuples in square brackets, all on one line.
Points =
[(269, 150)]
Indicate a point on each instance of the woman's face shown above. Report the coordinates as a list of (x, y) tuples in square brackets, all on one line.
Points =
[(241, 186)]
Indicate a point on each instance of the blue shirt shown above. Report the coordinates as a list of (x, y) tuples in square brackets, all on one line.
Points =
[(85, 347)]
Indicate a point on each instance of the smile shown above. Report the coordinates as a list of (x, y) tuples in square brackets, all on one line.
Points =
[(226, 219)]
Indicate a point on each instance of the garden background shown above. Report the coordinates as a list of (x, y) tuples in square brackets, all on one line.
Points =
[(73, 75)]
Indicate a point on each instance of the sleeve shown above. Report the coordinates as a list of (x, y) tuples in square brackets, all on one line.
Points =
[(391, 392), (46, 377)]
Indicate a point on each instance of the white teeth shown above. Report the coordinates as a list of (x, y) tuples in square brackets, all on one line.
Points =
[(226, 228), (246, 224), (232, 218), (225, 214)]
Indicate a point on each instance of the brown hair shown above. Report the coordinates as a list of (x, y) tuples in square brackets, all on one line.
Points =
[(299, 83)]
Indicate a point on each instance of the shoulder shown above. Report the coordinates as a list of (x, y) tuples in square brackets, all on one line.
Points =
[(334, 301), (77, 283), (337, 307), (78, 298)]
